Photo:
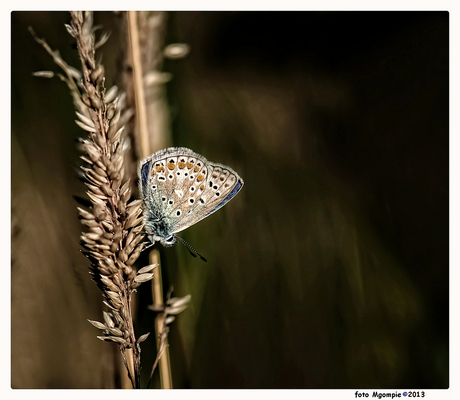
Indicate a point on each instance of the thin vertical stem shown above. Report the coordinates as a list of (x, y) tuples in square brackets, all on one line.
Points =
[(135, 350), (127, 357), (145, 150), (165, 366), (139, 95)]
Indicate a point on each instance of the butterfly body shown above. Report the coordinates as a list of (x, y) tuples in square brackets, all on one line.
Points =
[(180, 188)]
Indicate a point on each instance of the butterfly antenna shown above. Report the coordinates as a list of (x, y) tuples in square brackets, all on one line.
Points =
[(191, 250)]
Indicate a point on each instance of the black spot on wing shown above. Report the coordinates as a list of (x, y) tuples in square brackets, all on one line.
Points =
[(229, 196)]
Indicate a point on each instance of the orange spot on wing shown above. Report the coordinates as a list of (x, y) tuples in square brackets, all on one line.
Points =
[(189, 165), (153, 171), (202, 187), (171, 165), (160, 169), (196, 169), (200, 177), (181, 165)]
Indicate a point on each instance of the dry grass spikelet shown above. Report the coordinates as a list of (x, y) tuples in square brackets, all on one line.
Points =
[(113, 239)]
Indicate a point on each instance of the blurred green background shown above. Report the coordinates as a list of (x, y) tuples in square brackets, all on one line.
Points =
[(329, 270)]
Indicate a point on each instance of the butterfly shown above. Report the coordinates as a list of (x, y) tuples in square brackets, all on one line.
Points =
[(180, 188)]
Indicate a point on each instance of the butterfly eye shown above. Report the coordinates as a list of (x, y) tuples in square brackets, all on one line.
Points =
[(171, 240)]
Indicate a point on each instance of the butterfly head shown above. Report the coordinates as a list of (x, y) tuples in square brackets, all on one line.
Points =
[(169, 241), (159, 231)]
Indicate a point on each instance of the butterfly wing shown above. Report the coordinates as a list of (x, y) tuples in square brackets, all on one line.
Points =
[(214, 186), (152, 185), (182, 187)]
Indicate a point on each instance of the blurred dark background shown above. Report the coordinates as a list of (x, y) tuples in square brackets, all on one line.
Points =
[(329, 270)]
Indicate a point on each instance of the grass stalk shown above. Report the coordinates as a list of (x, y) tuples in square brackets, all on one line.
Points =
[(145, 150), (139, 94), (113, 239), (162, 338)]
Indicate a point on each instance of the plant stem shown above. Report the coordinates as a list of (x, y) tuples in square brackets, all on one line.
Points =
[(145, 150), (162, 345), (135, 350), (139, 95)]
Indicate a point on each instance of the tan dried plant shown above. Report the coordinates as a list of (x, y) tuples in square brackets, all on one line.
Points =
[(114, 237), (113, 240)]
